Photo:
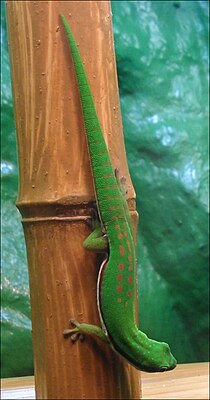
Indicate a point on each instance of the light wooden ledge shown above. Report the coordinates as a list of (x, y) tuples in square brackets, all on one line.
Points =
[(187, 381)]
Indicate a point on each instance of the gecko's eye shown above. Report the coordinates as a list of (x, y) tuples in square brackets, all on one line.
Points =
[(162, 369)]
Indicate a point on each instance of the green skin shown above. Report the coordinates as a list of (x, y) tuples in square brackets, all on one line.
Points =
[(114, 236)]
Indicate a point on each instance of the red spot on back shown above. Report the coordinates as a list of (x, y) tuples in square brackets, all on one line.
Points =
[(120, 236), (129, 258), (105, 176), (119, 289), (130, 268), (120, 277), (130, 279), (120, 216), (129, 293), (122, 250), (117, 227), (121, 266)]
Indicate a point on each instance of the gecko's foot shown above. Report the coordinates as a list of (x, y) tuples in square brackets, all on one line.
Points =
[(74, 333), (121, 182), (80, 330)]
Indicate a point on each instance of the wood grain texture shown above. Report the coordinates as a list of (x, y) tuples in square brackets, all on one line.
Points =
[(56, 191), (187, 381)]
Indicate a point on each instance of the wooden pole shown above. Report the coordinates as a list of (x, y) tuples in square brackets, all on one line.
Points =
[(56, 192)]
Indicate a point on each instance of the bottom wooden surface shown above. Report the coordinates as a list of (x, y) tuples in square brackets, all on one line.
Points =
[(187, 381)]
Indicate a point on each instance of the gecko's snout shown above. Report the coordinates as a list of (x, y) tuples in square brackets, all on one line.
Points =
[(171, 361)]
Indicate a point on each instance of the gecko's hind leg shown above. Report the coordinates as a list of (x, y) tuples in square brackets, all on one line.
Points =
[(80, 330), (96, 241)]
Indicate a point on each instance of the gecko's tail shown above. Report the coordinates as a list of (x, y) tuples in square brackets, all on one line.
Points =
[(95, 137), (102, 169)]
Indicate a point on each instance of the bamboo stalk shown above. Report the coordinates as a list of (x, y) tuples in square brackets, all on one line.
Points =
[(56, 192)]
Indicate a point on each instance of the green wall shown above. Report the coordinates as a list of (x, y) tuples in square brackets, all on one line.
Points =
[(162, 61)]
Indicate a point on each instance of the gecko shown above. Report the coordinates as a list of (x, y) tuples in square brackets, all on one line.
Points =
[(113, 235)]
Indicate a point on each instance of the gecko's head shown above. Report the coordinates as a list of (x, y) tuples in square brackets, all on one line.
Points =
[(158, 358)]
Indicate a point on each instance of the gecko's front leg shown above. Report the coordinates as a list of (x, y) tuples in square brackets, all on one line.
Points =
[(80, 330)]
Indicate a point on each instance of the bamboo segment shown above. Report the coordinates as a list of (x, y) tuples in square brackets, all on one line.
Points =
[(56, 194)]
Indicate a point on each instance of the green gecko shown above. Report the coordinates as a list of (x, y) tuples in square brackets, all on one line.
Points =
[(114, 236)]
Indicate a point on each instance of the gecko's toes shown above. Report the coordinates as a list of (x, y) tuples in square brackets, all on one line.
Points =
[(70, 332), (124, 189), (74, 323), (75, 337), (116, 172), (66, 332), (73, 333), (123, 180)]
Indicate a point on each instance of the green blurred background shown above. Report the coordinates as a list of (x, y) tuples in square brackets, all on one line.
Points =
[(162, 62)]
